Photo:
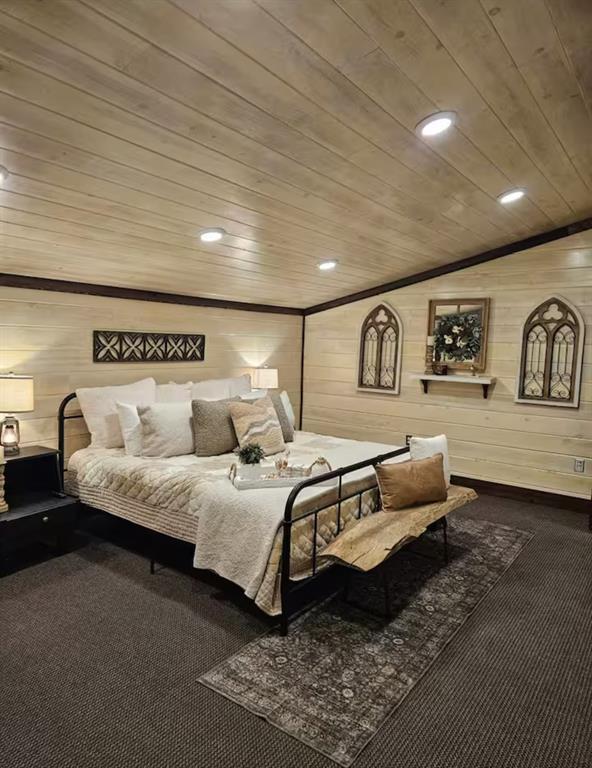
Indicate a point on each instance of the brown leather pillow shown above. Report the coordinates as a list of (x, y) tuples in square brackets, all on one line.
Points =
[(411, 482)]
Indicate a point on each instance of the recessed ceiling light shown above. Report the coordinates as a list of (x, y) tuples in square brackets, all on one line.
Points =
[(325, 265), (3, 174), (212, 234), (435, 124), (511, 196)]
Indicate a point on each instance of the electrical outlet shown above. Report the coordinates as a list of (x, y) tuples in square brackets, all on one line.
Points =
[(579, 465)]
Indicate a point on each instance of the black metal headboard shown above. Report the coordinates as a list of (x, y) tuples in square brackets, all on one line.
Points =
[(62, 418)]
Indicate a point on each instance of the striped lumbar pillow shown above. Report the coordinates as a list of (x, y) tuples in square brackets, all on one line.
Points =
[(257, 423)]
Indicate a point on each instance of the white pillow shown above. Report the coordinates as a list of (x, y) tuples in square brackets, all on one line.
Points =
[(424, 447), (100, 412), (166, 429), (221, 389), (285, 398), (172, 392), (131, 428)]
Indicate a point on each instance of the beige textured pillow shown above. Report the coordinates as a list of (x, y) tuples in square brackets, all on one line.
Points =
[(258, 423), (213, 431), (411, 482)]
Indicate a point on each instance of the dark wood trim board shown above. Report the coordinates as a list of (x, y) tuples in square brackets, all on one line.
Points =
[(470, 261), (573, 503), (116, 292)]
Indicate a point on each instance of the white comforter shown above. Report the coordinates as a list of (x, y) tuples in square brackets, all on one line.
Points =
[(236, 529)]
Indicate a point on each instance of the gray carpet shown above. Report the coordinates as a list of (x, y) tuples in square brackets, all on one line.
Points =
[(99, 665)]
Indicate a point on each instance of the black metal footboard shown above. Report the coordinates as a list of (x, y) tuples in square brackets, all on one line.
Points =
[(289, 586)]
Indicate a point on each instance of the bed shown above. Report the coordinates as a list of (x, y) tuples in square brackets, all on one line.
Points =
[(237, 534), (267, 540)]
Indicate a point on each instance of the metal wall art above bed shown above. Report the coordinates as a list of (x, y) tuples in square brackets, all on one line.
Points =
[(138, 347)]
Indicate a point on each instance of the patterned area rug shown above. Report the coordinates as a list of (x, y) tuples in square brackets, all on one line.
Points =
[(340, 672)]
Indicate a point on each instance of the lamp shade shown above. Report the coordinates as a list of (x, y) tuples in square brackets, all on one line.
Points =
[(265, 378), (16, 393)]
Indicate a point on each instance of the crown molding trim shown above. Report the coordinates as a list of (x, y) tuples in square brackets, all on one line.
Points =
[(470, 261), (135, 294)]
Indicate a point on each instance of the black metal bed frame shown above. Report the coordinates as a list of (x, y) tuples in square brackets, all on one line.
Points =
[(288, 585)]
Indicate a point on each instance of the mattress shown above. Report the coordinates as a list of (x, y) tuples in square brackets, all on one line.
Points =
[(238, 533)]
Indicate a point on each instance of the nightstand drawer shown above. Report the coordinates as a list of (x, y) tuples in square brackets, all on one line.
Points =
[(39, 524)]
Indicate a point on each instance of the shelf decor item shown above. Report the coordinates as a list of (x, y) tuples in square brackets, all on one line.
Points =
[(459, 331), (16, 396), (429, 355)]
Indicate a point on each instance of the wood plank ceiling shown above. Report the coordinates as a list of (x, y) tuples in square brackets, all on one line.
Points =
[(129, 125)]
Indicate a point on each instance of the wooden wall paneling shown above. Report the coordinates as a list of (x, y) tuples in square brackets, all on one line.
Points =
[(50, 336), (494, 439)]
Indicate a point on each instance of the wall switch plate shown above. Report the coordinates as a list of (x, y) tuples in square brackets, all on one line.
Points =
[(579, 465)]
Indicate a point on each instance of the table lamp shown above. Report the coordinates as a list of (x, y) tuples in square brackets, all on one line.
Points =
[(265, 378), (16, 396)]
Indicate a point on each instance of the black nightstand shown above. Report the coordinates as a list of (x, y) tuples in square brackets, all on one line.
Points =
[(37, 507)]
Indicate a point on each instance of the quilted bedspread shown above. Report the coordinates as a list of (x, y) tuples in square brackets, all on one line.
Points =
[(237, 533)]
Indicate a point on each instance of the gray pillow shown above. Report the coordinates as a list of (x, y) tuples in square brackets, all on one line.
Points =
[(213, 430), (285, 423)]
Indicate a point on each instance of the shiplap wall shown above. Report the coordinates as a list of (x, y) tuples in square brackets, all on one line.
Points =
[(49, 335), (496, 439)]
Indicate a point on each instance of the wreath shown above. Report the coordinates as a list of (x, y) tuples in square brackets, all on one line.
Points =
[(458, 337)]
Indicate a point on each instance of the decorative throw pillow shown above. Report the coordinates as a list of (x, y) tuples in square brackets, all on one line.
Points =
[(288, 408), (287, 428), (213, 431), (100, 412), (166, 429), (131, 428), (424, 447), (411, 482), (173, 393), (258, 423)]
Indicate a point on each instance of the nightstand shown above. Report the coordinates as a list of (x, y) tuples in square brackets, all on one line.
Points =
[(37, 507)]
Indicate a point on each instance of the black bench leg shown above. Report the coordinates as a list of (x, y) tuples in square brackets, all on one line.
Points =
[(284, 624), (387, 595), (445, 535)]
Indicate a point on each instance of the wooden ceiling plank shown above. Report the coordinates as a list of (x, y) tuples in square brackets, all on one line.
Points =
[(140, 250), (79, 136), (528, 32), (291, 182), (410, 43), (122, 183), (153, 146), (239, 73), (222, 254), (477, 48), (573, 21), (381, 79), (255, 33), (89, 202), (31, 46)]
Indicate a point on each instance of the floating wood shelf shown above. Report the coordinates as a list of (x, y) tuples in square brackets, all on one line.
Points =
[(454, 378)]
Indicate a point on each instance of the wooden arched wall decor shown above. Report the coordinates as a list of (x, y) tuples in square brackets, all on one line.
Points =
[(551, 355), (381, 343)]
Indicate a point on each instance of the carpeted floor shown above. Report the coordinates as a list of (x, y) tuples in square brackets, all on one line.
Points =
[(99, 664)]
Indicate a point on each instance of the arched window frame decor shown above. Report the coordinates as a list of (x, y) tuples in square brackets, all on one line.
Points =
[(391, 323), (571, 317)]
